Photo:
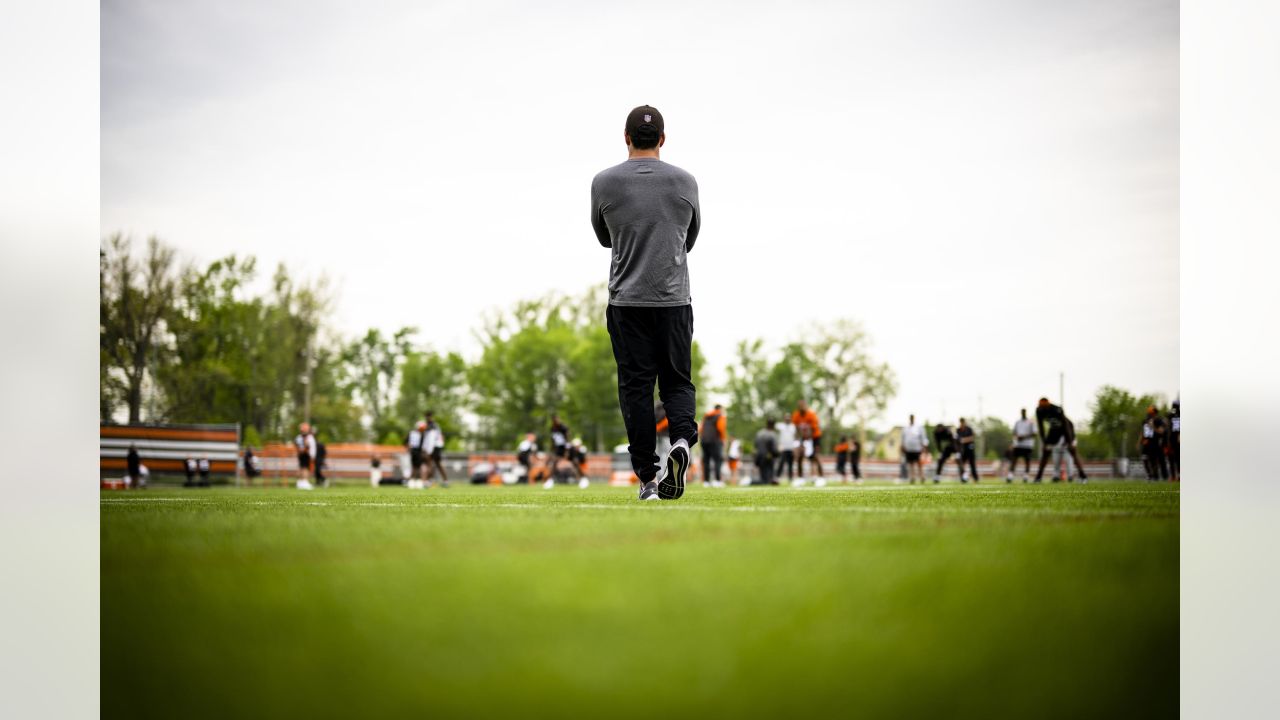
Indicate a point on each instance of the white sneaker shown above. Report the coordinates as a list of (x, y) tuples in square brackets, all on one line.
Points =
[(584, 483), (798, 482), (550, 483), (820, 482), (305, 485)]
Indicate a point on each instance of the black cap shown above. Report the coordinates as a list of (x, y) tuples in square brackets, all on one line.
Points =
[(645, 123)]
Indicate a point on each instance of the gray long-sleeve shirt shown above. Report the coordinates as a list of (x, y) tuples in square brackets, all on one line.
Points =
[(647, 211)]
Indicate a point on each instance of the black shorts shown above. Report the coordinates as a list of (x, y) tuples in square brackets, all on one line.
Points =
[(1021, 452), (561, 450), (437, 455), (415, 458), (304, 461), (1052, 438), (912, 457)]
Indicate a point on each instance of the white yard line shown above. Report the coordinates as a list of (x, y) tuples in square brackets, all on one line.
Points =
[(664, 507)]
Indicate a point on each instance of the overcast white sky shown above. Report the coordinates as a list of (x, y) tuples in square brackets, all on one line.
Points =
[(990, 187)]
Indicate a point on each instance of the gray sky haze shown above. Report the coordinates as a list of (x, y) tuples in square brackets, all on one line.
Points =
[(990, 187)]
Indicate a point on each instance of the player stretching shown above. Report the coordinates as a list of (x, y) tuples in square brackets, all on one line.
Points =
[(1024, 442), (968, 451), (646, 211), (945, 440), (1152, 444), (1051, 416)]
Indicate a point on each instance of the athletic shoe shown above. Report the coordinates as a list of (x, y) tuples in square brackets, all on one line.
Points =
[(304, 485), (584, 483), (820, 482), (671, 487), (1008, 480), (649, 491), (550, 483)]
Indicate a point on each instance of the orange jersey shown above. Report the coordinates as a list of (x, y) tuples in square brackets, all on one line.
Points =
[(808, 417), (842, 447), (721, 425), (663, 425)]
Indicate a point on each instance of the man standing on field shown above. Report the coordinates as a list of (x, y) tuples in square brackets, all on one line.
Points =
[(1024, 442), (647, 212)]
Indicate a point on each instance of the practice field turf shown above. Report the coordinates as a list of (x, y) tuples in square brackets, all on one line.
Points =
[(904, 601)]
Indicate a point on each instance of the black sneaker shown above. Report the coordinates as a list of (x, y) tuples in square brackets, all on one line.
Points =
[(649, 491), (671, 487)]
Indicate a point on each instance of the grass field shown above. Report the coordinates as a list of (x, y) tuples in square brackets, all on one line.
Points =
[(904, 601)]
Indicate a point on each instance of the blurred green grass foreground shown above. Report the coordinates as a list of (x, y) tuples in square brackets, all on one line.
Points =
[(881, 601)]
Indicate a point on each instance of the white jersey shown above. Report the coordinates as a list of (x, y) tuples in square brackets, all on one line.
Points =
[(526, 446), (913, 439), (786, 436), (435, 440), (735, 449), (1024, 433), (416, 439), (306, 444)]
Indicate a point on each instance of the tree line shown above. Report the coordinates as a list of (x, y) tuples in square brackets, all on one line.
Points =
[(190, 344), (181, 343)]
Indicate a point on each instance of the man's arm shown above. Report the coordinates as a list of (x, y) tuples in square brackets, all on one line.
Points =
[(695, 222), (597, 219)]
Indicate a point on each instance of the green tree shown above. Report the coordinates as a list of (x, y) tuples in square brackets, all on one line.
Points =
[(372, 365), (550, 355), (249, 359), (519, 380), (134, 296), (334, 414), (436, 382), (853, 387), (592, 389), (1116, 421), (832, 369), (996, 436)]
